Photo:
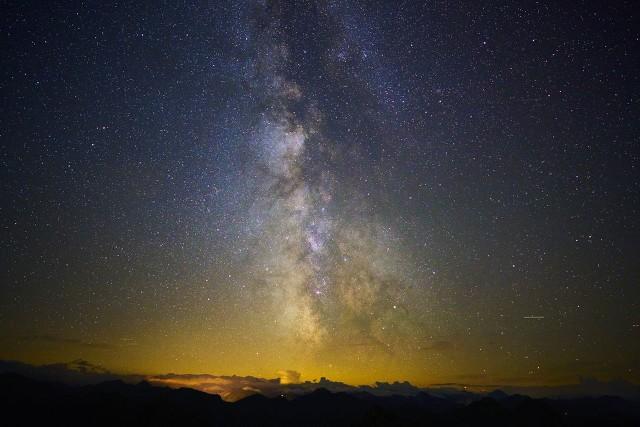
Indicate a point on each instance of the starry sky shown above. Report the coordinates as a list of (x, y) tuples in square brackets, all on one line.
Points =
[(438, 192)]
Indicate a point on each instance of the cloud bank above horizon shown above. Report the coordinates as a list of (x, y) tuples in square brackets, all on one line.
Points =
[(232, 388)]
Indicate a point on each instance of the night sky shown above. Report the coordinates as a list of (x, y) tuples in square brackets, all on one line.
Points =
[(422, 191)]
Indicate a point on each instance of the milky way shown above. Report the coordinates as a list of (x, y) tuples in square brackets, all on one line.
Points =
[(317, 265)]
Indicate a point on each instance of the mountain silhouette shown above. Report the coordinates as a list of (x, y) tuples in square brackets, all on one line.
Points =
[(27, 402)]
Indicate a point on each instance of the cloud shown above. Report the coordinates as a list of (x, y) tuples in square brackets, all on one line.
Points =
[(232, 387), (584, 387), (404, 388), (289, 377), (77, 372), (52, 339), (439, 346)]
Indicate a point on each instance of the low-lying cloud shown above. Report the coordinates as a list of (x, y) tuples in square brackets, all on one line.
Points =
[(288, 383), (52, 339)]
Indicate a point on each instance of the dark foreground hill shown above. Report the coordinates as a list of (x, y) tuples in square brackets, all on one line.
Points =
[(26, 402)]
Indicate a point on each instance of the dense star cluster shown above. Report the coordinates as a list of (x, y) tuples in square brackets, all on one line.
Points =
[(422, 191)]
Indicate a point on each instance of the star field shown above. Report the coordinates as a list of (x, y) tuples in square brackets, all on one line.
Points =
[(422, 191)]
